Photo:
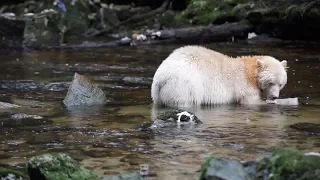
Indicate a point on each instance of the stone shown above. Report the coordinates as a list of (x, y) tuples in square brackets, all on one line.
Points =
[(7, 105), (174, 117), (310, 128), (290, 165), (138, 80), (56, 167), (45, 29), (132, 176), (82, 93), (11, 174), (20, 116), (217, 168)]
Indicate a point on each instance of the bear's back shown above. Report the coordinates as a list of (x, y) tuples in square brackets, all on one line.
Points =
[(199, 53)]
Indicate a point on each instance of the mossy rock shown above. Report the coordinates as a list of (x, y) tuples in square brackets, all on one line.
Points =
[(282, 164), (289, 165), (45, 29), (172, 115), (56, 167), (11, 174), (219, 168)]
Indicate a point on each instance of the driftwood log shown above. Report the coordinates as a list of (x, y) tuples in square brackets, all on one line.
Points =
[(201, 34), (209, 33)]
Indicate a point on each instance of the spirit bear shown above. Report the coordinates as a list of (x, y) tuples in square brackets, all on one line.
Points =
[(200, 76)]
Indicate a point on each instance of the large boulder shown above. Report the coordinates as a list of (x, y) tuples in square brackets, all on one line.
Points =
[(82, 93), (282, 164), (218, 168), (57, 167)]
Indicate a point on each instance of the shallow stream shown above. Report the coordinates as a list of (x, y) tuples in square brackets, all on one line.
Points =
[(107, 140)]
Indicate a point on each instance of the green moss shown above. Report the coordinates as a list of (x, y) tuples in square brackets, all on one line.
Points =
[(4, 172), (58, 166), (290, 164)]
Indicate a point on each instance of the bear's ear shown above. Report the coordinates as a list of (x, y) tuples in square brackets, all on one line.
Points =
[(260, 64), (284, 63)]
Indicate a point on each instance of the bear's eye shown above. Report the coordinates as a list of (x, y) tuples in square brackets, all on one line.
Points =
[(271, 84)]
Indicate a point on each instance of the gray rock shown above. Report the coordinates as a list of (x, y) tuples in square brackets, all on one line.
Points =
[(138, 80), (7, 105), (173, 117), (20, 116), (82, 93), (222, 169), (310, 128), (132, 176), (45, 29)]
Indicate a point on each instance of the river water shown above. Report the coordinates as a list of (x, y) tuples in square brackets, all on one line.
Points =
[(107, 140)]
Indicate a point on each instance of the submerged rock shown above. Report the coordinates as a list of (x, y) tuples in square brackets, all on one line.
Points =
[(56, 167), (7, 105), (218, 168), (282, 164), (311, 128), (83, 93), (138, 80), (11, 174), (20, 116), (132, 176), (175, 117)]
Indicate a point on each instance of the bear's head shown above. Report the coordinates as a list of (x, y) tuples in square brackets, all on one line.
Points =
[(272, 76)]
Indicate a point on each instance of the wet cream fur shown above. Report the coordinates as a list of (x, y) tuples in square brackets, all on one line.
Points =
[(197, 75)]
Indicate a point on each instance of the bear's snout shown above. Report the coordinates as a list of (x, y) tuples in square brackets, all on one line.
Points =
[(273, 97), (273, 92)]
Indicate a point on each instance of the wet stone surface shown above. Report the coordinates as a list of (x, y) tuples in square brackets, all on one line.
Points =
[(310, 128)]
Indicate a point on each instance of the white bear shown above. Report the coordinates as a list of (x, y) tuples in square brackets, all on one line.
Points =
[(200, 76)]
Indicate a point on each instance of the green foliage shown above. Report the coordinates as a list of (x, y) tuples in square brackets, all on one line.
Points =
[(290, 165), (203, 12)]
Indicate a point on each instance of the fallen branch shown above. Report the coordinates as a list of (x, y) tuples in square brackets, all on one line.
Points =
[(209, 33), (134, 19), (194, 35)]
